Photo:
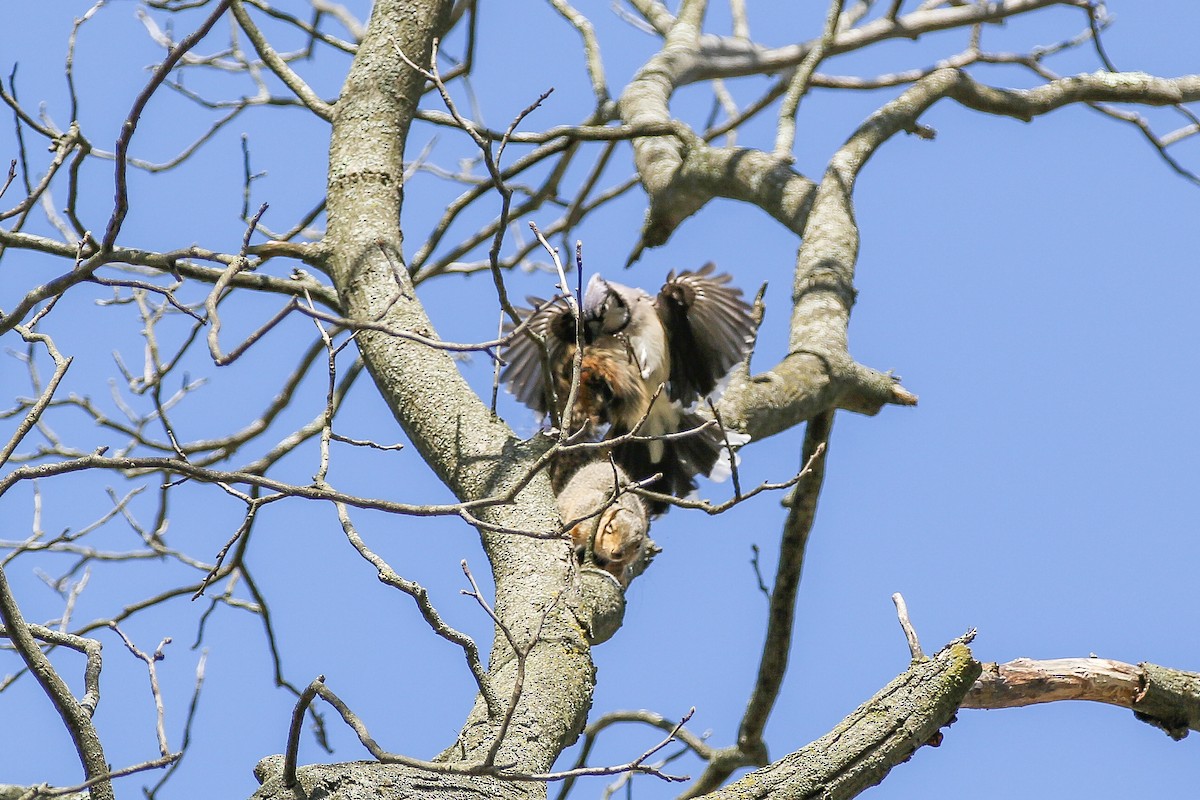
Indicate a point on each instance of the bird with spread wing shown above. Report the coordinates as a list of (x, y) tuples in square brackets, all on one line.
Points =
[(646, 361)]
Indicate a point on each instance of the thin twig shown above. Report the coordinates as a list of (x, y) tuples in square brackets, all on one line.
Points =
[(135, 113), (75, 716), (785, 136), (293, 740), (521, 653), (758, 577), (151, 660), (910, 633), (61, 364), (187, 727), (279, 66), (420, 595), (12, 173), (566, 428)]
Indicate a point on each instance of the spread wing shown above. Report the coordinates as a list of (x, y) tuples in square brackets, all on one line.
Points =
[(709, 328), (525, 372)]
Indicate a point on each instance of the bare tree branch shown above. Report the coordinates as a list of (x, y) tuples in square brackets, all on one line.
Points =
[(881, 733), (278, 65), (131, 121), (1169, 699), (76, 716)]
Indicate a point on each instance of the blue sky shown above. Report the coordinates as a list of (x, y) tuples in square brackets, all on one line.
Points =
[(1034, 284)]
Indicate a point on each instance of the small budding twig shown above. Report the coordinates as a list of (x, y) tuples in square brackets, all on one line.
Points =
[(238, 264), (706, 506), (12, 174), (151, 659), (762, 585)]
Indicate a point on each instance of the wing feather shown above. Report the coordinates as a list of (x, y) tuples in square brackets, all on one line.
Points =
[(525, 370), (709, 328)]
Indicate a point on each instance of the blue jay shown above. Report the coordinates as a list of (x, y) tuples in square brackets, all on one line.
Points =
[(646, 359)]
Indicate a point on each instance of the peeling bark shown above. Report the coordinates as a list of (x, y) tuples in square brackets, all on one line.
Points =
[(1166, 698)]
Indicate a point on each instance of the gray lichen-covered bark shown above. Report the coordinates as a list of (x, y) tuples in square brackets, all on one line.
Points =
[(881, 733), (366, 780), (1169, 699)]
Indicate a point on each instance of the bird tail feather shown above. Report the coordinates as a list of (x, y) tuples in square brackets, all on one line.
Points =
[(703, 452)]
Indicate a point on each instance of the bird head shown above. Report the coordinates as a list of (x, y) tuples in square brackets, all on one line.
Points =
[(605, 310)]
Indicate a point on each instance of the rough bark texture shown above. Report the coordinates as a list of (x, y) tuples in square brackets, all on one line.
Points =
[(366, 780), (863, 748), (1170, 700)]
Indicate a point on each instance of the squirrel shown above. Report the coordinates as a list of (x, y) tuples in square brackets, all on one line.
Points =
[(615, 536)]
